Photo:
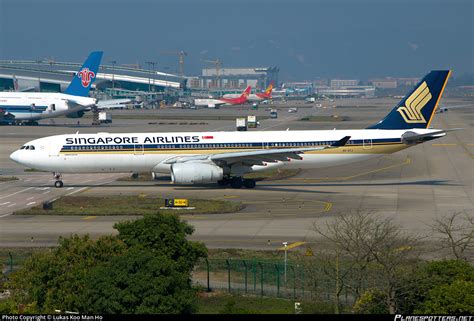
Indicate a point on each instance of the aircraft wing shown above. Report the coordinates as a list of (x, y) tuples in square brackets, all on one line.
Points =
[(256, 157), (73, 106), (113, 103)]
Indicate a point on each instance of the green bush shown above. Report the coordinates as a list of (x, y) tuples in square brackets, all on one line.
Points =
[(454, 298), (372, 301)]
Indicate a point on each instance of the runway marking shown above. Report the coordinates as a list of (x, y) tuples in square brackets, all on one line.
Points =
[(4, 215), (70, 188), (42, 188), (5, 203), (443, 122), (89, 217), (47, 192), (444, 145), (76, 191), (231, 196), (30, 203), (11, 205), (23, 190), (29, 198), (345, 178), (469, 144), (291, 246)]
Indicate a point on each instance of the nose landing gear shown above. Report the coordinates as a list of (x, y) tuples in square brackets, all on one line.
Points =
[(58, 183)]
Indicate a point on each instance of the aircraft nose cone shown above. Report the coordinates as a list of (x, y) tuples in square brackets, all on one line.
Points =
[(15, 156)]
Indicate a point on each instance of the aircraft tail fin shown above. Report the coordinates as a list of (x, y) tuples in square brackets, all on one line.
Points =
[(246, 92), (269, 89), (417, 108), (82, 81)]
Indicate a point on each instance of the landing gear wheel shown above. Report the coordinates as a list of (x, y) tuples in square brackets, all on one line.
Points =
[(249, 183), (58, 182), (236, 182)]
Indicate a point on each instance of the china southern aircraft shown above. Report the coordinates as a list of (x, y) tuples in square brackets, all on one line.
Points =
[(29, 107), (224, 157)]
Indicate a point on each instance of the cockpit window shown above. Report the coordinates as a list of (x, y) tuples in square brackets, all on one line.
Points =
[(23, 147), (28, 147)]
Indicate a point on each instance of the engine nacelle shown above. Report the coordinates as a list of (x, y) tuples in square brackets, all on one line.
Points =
[(77, 114), (195, 173)]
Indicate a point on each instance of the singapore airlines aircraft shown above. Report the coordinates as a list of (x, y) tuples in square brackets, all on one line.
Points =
[(28, 107), (224, 157)]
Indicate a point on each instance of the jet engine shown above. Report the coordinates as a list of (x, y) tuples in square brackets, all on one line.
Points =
[(77, 114), (195, 173)]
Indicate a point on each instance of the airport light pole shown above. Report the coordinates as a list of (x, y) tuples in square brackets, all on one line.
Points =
[(39, 76), (166, 79), (151, 63), (113, 62), (285, 246)]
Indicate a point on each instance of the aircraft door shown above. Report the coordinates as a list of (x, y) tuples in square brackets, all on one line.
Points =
[(367, 143), (53, 150), (138, 149)]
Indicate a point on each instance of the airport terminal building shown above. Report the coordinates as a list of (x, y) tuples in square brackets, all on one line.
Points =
[(55, 77), (236, 78)]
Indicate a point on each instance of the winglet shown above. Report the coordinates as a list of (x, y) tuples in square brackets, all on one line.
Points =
[(341, 142)]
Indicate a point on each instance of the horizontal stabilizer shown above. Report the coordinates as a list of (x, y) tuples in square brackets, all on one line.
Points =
[(410, 137)]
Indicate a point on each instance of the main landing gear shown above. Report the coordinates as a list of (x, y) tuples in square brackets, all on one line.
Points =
[(237, 182), (58, 183)]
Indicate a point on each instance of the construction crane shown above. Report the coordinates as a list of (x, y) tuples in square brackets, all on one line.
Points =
[(181, 54), (218, 65)]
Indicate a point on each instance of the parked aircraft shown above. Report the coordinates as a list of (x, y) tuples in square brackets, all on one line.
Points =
[(29, 107), (215, 103), (267, 94)]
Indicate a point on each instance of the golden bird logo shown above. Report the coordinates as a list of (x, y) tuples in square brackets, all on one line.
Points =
[(411, 112)]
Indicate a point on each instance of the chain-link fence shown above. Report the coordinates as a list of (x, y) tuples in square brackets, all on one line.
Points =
[(251, 276), (302, 279)]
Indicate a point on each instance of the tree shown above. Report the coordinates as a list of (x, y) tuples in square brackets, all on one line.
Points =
[(146, 268), (456, 233), (427, 276), (153, 276), (163, 235), (138, 282), (347, 235), (54, 279), (372, 244), (372, 301), (454, 298)]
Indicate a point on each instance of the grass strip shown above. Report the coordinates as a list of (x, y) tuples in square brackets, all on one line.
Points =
[(127, 205)]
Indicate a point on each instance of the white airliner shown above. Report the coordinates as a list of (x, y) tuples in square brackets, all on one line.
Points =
[(224, 157), (28, 107), (215, 103)]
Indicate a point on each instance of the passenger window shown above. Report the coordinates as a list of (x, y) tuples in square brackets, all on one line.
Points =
[(22, 147), (53, 107)]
